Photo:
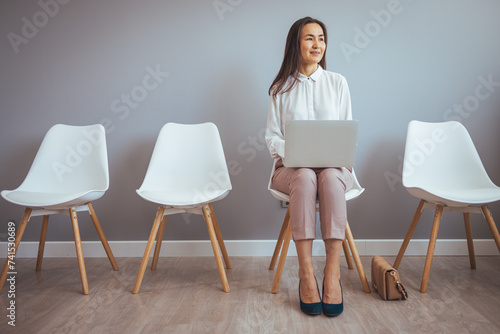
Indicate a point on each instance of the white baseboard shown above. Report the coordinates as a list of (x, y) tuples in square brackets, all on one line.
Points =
[(418, 247)]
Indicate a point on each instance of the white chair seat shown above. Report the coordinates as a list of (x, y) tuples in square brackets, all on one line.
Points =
[(182, 199), (457, 197), (49, 200)]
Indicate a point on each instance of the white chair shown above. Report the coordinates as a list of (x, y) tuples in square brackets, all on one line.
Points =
[(286, 234), (187, 172), (69, 172), (442, 167)]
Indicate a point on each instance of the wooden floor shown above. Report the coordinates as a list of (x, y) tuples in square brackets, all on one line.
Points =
[(184, 295)]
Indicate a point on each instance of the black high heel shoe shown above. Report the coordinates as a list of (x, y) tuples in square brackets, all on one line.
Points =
[(332, 310), (310, 308)]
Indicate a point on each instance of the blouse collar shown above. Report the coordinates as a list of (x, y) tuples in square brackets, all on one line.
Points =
[(315, 76)]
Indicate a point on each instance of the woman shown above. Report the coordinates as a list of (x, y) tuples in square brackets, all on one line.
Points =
[(303, 89)]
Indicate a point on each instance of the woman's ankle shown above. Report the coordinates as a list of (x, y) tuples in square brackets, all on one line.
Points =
[(307, 274), (332, 273)]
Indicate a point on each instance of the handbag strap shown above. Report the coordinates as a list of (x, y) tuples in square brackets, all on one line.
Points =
[(399, 285)]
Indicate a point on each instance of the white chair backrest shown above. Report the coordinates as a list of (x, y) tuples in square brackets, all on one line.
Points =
[(441, 155), (352, 193), (71, 159), (187, 157)]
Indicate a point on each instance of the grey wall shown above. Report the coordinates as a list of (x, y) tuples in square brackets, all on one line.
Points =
[(422, 61)]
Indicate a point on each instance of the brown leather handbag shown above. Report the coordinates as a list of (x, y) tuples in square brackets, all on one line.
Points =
[(385, 279)]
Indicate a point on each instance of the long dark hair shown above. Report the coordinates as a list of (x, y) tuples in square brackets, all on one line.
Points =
[(292, 56)]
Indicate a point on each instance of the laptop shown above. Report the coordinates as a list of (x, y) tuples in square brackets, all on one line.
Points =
[(316, 143)]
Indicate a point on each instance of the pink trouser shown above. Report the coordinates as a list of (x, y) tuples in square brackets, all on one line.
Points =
[(307, 185)]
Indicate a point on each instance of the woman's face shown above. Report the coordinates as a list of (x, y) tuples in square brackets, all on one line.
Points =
[(312, 44)]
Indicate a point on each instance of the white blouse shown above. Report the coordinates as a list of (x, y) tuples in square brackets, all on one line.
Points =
[(322, 96)]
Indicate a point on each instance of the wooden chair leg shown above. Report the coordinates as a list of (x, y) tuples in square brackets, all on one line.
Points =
[(491, 223), (284, 251), (19, 235), (357, 260), (432, 246), (345, 246), (79, 251), (279, 242), (411, 229), (222, 246), (470, 242), (100, 232), (215, 246), (159, 240), (149, 247), (41, 244)]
